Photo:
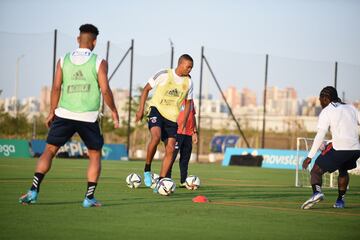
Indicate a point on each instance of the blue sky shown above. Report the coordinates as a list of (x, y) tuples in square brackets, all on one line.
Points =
[(304, 38)]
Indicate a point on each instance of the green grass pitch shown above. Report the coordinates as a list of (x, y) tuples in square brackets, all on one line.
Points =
[(245, 203)]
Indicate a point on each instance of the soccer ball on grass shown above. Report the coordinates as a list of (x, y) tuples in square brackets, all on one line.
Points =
[(166, 186), (154, 180), (192, 182), (133, 180)]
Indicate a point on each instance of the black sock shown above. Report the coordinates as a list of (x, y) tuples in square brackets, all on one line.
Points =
[(341, 195), (316, 188), (91, 190), (38, 177), (147, 167)]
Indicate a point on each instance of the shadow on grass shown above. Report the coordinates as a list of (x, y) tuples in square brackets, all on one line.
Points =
[(57, 203), (251, 193)]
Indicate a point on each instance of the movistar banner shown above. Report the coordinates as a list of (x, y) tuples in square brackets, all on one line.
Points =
[(75, 149), (14, 148), (273, 158)]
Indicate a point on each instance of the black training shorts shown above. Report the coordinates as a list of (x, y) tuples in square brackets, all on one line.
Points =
[(168, 128), (331, 160), (61, 130)]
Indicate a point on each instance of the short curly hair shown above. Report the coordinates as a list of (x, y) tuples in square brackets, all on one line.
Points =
[(185, 57), (89, 28)]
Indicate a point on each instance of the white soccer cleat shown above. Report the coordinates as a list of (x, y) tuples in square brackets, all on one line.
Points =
[(315, 198)]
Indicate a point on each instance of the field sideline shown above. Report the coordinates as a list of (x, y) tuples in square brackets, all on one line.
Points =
[(246, 203)]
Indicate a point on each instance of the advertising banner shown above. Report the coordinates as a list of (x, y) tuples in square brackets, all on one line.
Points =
[(75, 149), (14, 148), (219, 144), (273, 158)]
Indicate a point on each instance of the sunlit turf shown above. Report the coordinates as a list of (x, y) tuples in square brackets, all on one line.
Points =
[(245, 203)]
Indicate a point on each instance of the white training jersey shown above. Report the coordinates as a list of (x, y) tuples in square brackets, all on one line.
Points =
[(161, 77), (78, 57), (344, 121)]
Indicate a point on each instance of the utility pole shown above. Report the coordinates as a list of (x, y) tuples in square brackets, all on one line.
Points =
[(172, 53), (17, 83)]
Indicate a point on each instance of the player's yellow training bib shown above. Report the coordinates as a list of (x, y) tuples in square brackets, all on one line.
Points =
[(168, 97)]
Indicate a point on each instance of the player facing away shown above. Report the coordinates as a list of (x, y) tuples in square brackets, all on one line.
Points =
[(81, 76), (343, 151), (184, 141), (173, 86)]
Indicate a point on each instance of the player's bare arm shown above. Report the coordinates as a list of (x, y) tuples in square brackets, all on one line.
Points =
[(106, 92), (186, 115), (194, 136), (144, 96), (55, 94)]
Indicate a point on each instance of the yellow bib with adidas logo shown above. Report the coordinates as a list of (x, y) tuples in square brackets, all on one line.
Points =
[(169, 96)]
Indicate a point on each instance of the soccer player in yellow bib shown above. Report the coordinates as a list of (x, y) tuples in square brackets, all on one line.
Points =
[(172, 87)]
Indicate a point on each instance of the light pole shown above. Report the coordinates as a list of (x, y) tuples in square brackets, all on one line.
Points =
[(172, 53), (17, 82)]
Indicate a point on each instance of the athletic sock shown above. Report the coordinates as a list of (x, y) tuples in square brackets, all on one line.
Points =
[(147, 167), (316, 188), (38, 177), (341, 195), (91, 190)]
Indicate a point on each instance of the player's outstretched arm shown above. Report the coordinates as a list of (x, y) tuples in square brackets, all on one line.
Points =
[(106, 92), (55, 94), (144, 96), (318, 141)]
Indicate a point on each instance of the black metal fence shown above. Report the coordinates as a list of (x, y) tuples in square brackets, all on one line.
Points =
[(261, 97)]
